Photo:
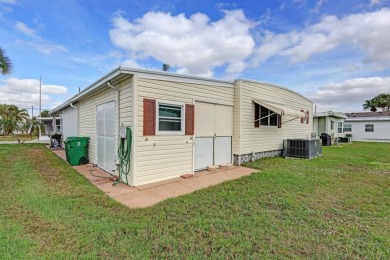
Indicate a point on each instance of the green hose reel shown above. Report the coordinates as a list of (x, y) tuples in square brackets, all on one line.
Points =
[(124, 152)]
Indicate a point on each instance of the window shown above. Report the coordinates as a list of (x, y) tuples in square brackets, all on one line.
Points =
[(369, 128), (331, 125), (170, 118), (166, 118), (340, 127), (347, 128), (265, 116)]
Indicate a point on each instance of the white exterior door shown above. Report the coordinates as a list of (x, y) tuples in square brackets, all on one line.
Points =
[(213, 135), (69, 122), (105, 120)]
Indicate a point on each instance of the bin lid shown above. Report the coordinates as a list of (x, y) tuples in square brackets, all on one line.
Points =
[(77, 138)]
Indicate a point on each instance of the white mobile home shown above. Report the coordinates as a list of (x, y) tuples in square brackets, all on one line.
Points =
[(181, 124), (329, 122), (368, 126)]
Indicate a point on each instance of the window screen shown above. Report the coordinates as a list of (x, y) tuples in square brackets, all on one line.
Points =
[(169, 117)]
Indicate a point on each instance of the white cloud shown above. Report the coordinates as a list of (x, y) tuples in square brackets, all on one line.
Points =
[(365, 32), (349, 94), (372, 3), (48, 48), (318, 6), (44, 48), (193, 45), (7, 1), (25, 29), (25, 93)]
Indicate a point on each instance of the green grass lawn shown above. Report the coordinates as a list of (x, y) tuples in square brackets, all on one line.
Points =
[(21, 136), (336, 206)]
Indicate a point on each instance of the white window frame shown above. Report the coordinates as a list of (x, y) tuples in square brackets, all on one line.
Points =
[(370, 126), (350, 128), (331, 125), (270, 113), (338, 127), (170, 103)]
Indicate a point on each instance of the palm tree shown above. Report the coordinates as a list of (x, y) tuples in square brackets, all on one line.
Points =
[(382, 101), (12, 118), (5, 63), (369, 104), (45, 113)]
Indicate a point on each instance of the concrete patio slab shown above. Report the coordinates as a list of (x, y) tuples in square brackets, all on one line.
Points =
[(150, 194)]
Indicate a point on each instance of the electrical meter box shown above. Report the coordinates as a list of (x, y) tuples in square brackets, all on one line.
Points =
[(122, 131)]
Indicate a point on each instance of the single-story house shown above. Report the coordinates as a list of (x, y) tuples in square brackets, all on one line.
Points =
[(368, 126), (51, 124), (331, 123), (181, 124)]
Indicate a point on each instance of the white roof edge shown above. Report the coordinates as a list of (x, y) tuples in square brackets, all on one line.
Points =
[(276, 86), (367, 119), (126, 70), (88, 89), (117, 71), (335, 114), (165, 74)]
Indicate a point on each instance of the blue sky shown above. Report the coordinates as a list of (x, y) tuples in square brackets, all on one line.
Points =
[(336, 53)]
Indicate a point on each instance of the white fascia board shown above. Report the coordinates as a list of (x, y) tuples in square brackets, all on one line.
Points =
[(169, 76), (275, 86), (96, 85), (367, 119)]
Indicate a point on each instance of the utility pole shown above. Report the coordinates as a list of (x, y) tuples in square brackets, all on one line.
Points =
[(40, 104), (32, 111), (40, 95)]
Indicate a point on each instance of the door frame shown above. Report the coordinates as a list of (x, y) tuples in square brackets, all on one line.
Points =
[(213, 136), (96, 133)]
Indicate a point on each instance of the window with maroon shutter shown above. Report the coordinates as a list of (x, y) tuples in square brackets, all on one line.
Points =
[(149, 116), (257, 115), (279, 121), (307, 117), (302, 118), (189, 122)]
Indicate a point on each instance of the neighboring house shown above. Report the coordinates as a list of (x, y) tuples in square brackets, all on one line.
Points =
[(52, 124), (368, 126), (181, 124), (329, 122)]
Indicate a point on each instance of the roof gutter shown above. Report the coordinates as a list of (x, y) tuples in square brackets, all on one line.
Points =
[(97, 84)]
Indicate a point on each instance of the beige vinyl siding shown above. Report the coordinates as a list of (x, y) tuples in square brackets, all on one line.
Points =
[(87, 111), (266, 138), (236, 119), (163, 157)]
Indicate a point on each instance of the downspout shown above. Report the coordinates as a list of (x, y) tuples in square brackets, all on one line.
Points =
[(116, 118), (77, 117)]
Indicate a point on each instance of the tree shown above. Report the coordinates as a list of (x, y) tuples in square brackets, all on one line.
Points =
[(45, 113), (12, 118), (32, 125), (381, 100), (369, 105), (5, 63)]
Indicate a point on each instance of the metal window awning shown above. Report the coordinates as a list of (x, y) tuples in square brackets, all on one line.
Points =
[(280, 109)]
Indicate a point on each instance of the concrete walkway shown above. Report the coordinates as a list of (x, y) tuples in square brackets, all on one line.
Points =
[(36, 141), (150, 194)]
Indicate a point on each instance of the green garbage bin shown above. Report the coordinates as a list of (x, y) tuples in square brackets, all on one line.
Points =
[(76, 149)]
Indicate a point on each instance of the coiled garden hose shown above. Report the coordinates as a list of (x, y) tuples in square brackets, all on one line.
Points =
[(124, 152)]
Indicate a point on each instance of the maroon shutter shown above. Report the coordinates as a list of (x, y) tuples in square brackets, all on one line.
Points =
[(279, 121), (307, 119), (257, 115), (149, 116), (190, 116), (302, 118)]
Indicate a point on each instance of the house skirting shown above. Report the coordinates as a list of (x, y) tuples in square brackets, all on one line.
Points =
[(249, 157)]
